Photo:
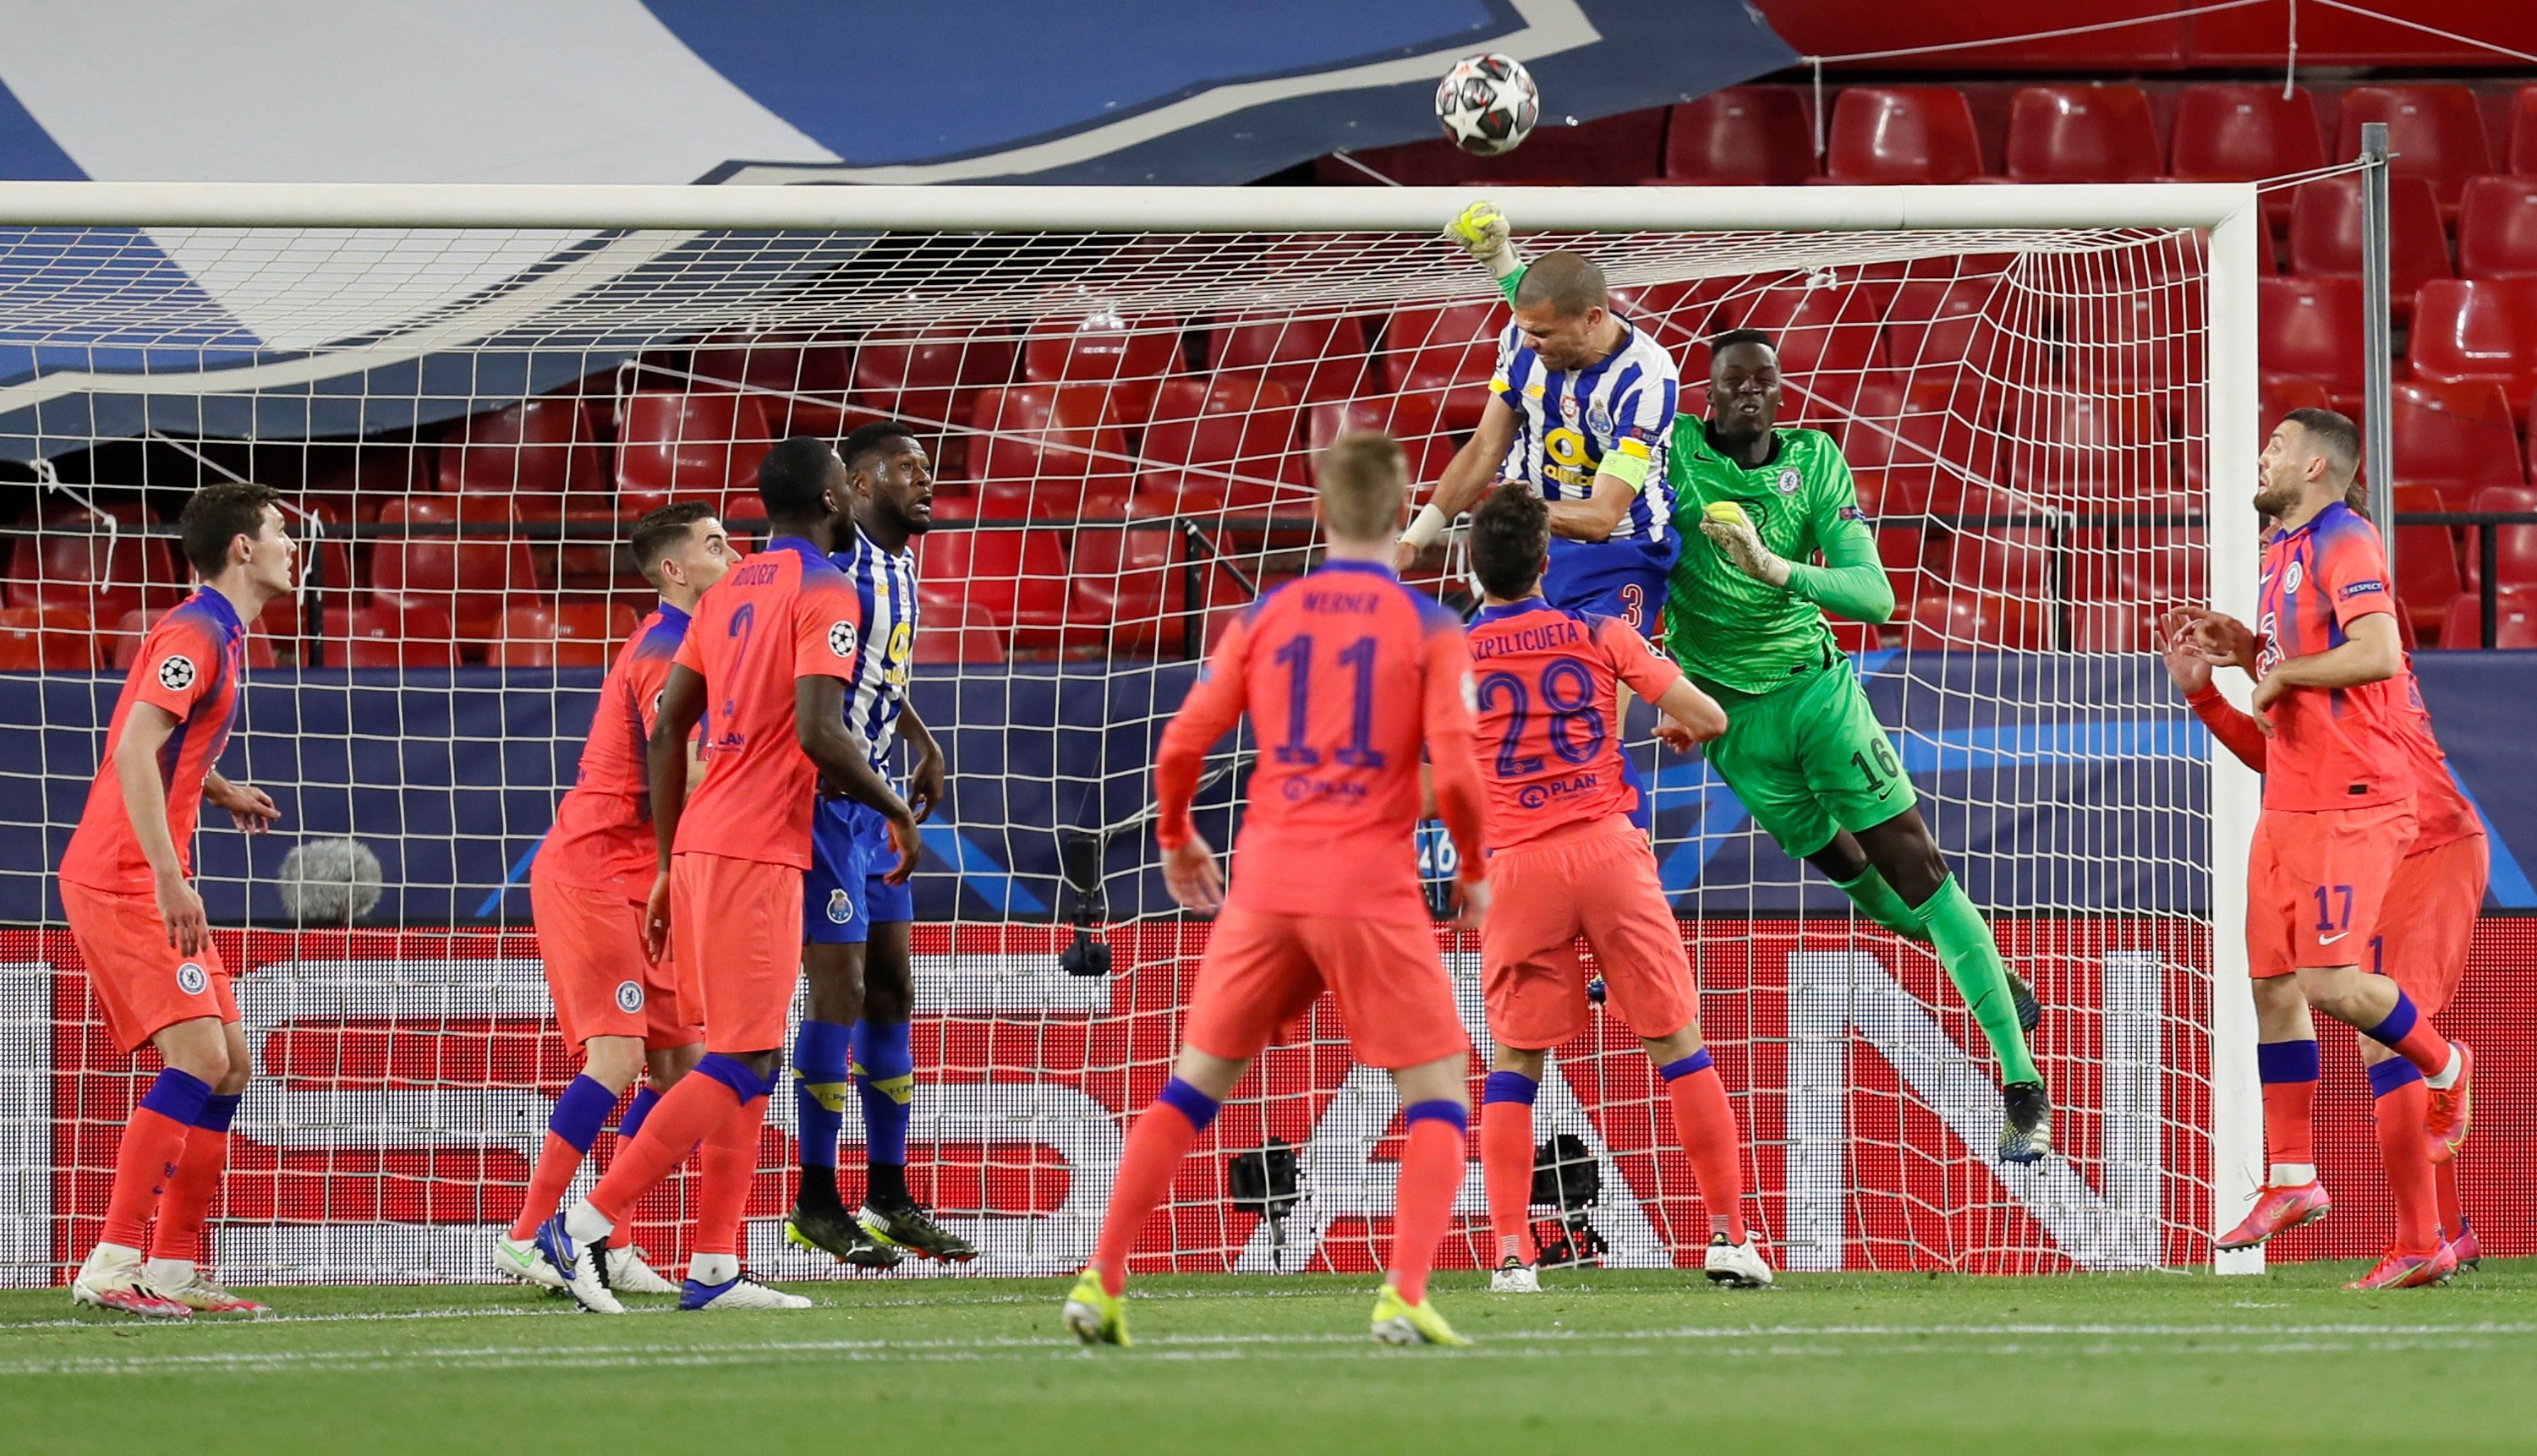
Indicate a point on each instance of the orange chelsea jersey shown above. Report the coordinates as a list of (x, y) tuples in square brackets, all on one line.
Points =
[(601, 838), (785, 613), (191, 664), (2333, 749), (1548, 736)]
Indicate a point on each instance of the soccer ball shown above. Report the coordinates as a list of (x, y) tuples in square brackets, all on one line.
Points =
[(1487, 104), (329, 881)]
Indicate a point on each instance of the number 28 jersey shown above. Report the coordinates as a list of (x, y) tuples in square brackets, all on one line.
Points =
[(784, 614), (1549, 734)]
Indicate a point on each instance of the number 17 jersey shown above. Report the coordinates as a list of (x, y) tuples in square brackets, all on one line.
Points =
[(782, 614)]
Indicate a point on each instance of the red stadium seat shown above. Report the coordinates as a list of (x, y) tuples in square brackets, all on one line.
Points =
[(929, 379), (1903, 134), (2514, 616), (1227, 441), (695, 445), (801, 388), (2476, 328), (2498, 228), (1445, 354), (468, 578), (1130, 356), (1315, 360), (1827, 339), (576, 634), (1408, 418), (2082, 134), (46, 638), (2232, 132), (2283, 393), (1958, 620), (960, 633), (541, 452), (2435, 131), (386, 633), (2515, 563), (76, 561), (1745, 133), (2114, 626), (119, 647), (2010, 560), (2426, 562), (2312, 327), (1019, 576), (2455, 433), (1938, 321), (1120, 578), (2106, 449), (1046, 451), (2137, 564), (2325, 234)]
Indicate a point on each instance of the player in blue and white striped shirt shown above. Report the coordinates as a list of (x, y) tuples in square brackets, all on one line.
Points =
[(1579, 409), (855, 953)]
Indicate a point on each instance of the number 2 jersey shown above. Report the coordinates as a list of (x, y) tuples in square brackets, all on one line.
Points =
[(784, 614), (1346, 674), (1549, 742)]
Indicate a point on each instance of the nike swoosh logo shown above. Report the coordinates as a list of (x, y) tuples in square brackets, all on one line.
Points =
[(2331, 940)]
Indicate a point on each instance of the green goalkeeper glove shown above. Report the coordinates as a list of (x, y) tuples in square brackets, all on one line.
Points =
[(1481, 231), (1724, 523)]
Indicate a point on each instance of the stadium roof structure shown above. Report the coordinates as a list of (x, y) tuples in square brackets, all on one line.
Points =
[(670, 91)]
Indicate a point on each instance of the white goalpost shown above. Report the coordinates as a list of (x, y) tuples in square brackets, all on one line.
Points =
[(468, 394)]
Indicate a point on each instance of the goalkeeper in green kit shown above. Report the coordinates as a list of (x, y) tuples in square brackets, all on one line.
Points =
[(1804, 751)]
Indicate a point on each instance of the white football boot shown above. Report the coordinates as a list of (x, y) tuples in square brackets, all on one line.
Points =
[(629, 1275), (110, 1279), (1737, 1265), (1515, 1277), (516, 1260)]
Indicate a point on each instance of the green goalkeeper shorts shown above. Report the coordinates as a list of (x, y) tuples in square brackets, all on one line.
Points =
[(1809, 759)]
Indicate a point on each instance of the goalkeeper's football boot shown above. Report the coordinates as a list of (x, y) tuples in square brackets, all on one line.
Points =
[(2030, 1011), (112, 1281), (912, 1229), (1093, 1314), (2278, 1210), (835, 1232), (739, 1292), (2402, 1269), (197, 1292), (1513, 1276), (2452, 1109), (2026, 1130), (583, 1263), (1396, 1321), (1735, 1265), (2469, 1252), (514, 1259), (628, 1274)]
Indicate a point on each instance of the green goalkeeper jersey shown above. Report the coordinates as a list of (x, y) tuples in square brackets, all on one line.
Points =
[(1725, 627)]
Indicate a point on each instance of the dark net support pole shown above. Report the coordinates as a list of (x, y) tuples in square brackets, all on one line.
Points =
[(2377, 411)]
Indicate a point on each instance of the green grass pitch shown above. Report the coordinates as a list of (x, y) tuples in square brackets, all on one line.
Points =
[(1621, 1363)]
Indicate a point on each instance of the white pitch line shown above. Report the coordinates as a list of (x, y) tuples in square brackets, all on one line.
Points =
[(1782, 1340)]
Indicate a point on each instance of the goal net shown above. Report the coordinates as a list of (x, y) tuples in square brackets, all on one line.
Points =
[(468, 395)]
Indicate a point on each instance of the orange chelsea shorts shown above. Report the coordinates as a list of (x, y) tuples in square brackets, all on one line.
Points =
[(735, 935), (1263, 970), (1600, 884), (2433, 905), (592, 944), (2317, 885), (145, 985)]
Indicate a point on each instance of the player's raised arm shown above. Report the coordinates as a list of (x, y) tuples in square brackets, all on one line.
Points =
[(1852, 582), (2190, 671), (1466, 477)]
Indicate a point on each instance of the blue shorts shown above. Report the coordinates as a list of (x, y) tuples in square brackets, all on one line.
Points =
[(1623, 579), (843, 894)]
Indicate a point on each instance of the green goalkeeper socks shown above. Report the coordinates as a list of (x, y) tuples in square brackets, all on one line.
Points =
[(1972, 957), (1877, 901)]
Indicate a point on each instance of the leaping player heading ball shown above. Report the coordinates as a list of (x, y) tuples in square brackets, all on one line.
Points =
[(1803, 750), (1346, 674)]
